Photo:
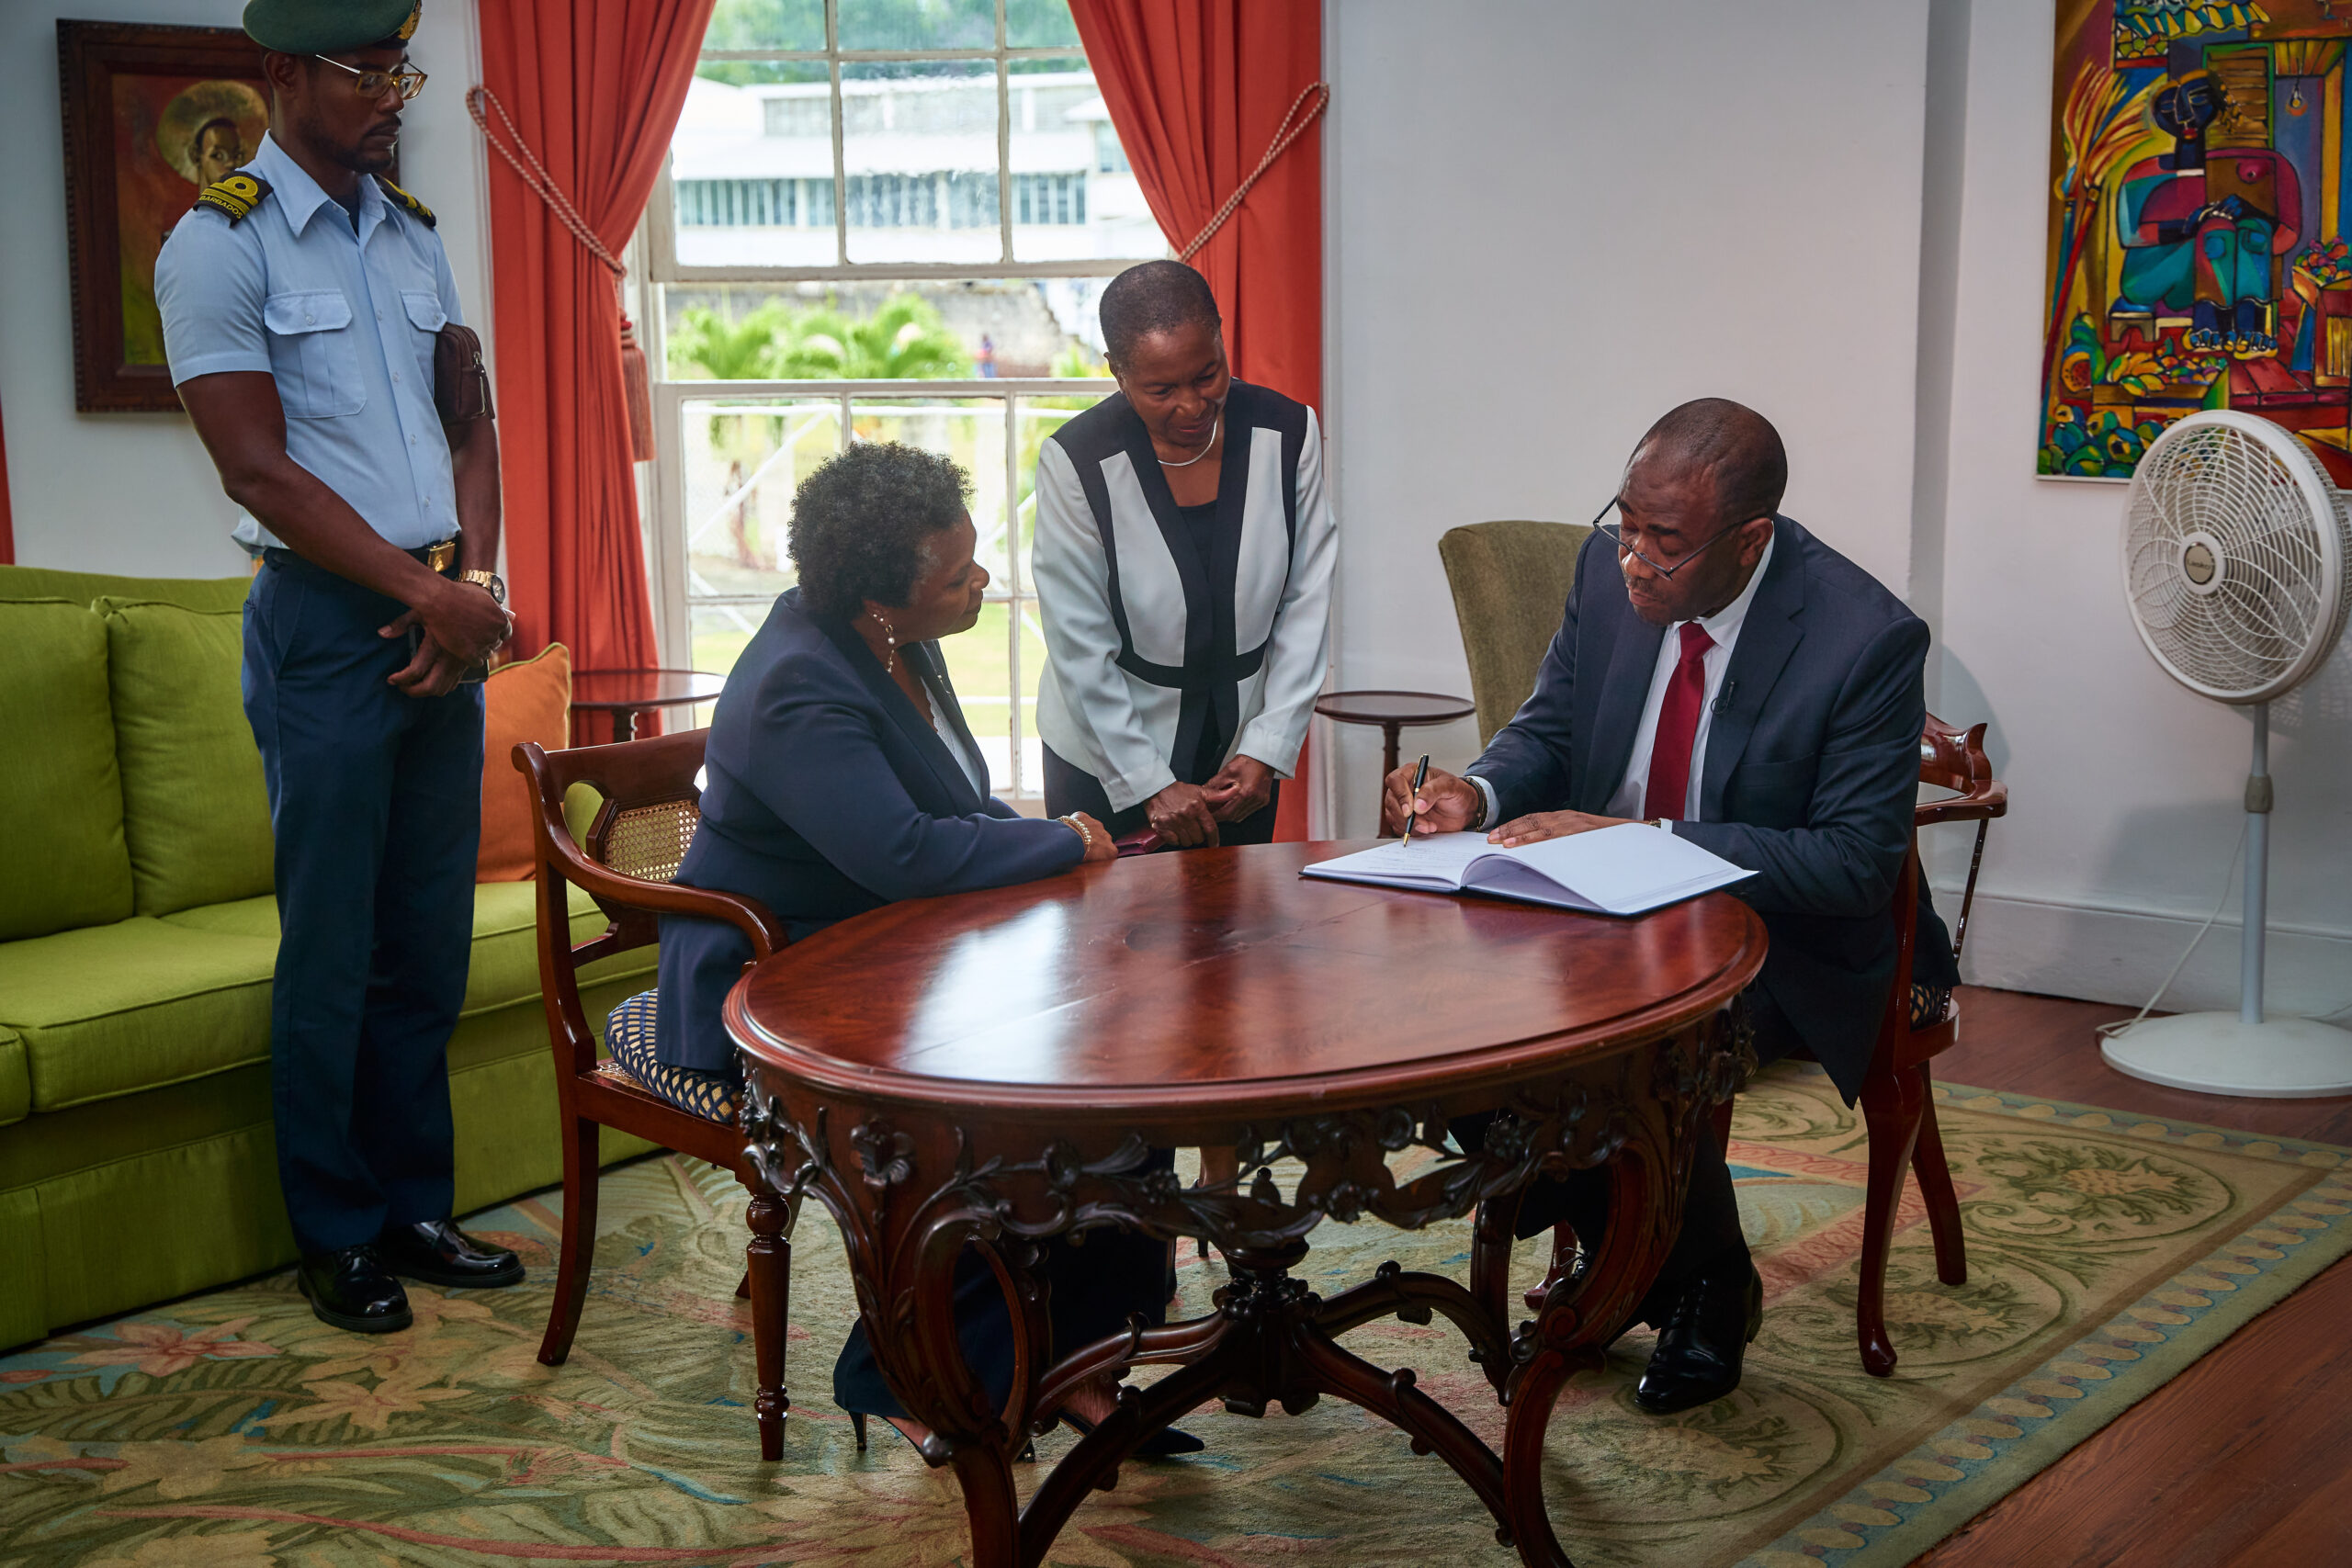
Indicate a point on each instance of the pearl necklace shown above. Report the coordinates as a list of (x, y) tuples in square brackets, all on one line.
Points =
[(1215, 431)]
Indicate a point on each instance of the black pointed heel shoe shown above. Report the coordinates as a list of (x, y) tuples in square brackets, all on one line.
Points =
[(1166, 1443), (857, 1419)]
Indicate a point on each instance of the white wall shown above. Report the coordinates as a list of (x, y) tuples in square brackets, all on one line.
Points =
[(2126, 787), (134, 493), (1548, 222)]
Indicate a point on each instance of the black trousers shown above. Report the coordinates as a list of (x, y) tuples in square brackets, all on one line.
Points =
[(1710, 1239), (1069, 787)]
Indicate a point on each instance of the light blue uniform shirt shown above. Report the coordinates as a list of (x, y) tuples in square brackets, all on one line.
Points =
[(345, 322)]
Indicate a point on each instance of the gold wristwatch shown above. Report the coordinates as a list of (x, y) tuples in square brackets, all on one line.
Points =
[(489, 579)]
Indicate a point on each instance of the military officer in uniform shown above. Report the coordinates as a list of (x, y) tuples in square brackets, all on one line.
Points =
[(301, 301)]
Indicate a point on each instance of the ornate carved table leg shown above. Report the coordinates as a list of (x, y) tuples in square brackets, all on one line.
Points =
[(1580, 1314), (1269, 1342), (1657, 1124)]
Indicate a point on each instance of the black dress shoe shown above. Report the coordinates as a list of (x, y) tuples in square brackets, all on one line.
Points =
[(1702, 1341), (348, 1289), (438, 1253)]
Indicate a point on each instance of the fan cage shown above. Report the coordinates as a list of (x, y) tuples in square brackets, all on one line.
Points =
[(2280, 530)]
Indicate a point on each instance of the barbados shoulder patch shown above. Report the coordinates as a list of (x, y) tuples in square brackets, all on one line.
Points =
[(407, 203), (235, 197)]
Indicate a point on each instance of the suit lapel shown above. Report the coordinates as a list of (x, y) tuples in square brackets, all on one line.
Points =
[(893, 702), (1633, 659), (1770, 634)]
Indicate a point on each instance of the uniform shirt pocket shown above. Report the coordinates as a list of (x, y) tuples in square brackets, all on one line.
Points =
[(312, 354), (425, 314)]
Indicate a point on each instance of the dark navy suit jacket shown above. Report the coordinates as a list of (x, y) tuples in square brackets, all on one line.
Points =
[(826, 794), (1811, 772)]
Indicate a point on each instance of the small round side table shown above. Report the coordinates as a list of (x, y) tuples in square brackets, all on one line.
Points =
[(1392, 711), (626, 693)]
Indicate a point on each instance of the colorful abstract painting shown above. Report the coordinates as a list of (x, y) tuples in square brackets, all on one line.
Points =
[(2198, 255)]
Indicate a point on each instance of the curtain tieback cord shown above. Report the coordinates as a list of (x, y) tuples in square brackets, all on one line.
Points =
[(637, 386), (1293, 126)]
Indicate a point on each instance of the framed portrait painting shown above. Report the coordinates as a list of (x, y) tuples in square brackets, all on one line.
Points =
[(152, 115)]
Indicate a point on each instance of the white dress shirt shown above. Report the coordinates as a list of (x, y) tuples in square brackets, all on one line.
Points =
[(1722, 631)]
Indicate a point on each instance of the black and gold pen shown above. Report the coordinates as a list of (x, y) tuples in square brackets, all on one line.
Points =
[(1420, 777)]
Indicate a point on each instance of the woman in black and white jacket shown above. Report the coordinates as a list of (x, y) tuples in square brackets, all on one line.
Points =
[(1183, 560)]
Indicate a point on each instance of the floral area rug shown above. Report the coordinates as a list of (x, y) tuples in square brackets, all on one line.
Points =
[(232, 1430)]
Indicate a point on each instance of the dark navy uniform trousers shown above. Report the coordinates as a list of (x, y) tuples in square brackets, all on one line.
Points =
[(374, 802)]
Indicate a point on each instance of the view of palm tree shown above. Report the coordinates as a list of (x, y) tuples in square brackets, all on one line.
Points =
[(903, 340)]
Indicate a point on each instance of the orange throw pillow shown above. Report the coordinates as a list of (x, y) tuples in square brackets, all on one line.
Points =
[(528, 700)]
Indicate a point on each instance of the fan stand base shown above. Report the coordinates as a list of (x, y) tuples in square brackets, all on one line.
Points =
[(2218, 1053)]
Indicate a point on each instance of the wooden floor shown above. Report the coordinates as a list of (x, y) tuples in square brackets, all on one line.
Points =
[(2244, 1459)]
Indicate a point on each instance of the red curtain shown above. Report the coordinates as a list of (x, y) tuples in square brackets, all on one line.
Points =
[(1197, 90), (7, 527), (595, 87)]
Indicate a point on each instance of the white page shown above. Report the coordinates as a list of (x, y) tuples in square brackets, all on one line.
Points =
[(1437, 861), (1623, 870), (1628, 868), (1504, 876)]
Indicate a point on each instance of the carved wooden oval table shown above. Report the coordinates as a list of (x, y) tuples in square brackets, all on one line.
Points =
[(995, 1067)]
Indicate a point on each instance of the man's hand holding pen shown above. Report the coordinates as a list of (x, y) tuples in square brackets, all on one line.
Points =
[(1436, 803)]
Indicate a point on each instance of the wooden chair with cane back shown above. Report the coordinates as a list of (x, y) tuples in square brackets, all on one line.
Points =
[(626, 862), (1898, 1104), (1897, 1101)]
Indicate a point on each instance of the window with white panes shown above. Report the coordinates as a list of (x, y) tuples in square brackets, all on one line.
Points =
[(881, 220)]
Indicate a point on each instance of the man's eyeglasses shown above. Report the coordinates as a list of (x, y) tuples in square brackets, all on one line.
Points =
[(376, 84), (1616, 534)]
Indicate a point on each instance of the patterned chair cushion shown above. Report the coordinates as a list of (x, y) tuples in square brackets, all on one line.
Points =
[(628, 1035), (1927, 1005)]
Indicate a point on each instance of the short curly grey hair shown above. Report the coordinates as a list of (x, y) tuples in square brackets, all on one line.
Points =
[(863, 525)]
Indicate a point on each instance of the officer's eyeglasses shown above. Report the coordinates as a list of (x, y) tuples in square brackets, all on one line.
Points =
[(376, 84), (1616, 534)]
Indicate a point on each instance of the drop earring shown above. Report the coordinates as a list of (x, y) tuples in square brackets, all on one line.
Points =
[(890, 638)]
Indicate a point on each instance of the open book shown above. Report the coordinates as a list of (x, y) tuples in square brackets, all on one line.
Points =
[(1617, 871)]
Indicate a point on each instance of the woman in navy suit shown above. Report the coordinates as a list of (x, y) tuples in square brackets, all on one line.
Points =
[(840, 776)]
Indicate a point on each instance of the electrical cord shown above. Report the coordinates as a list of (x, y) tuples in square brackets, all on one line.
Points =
[(2109, 1031)]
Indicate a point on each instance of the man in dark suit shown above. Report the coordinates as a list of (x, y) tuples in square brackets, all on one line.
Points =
[(1724, 675)]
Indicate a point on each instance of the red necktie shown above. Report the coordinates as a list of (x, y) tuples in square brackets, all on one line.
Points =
[(1677, 728)]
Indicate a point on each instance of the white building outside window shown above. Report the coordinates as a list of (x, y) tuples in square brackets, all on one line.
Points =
[(881, 220)]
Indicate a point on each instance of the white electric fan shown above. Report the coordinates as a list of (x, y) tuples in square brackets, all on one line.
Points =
[(2234, 558)]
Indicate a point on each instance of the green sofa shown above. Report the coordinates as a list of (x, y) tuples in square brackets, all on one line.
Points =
[(137, 932)]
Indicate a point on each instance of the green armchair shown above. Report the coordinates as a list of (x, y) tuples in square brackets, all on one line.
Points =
[(1510, 580)]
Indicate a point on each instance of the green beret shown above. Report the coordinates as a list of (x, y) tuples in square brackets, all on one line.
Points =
[(329, 27)]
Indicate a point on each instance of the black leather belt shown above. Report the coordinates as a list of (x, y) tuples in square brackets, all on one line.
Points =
[(442, 557)]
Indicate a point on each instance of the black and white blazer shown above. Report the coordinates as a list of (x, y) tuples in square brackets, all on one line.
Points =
[(1147, 641)]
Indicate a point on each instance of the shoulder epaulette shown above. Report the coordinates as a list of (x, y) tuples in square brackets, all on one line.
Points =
[(408, 203), (236, 195)]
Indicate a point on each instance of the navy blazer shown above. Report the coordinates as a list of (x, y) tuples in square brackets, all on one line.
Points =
[(826, 794), (1812, 770)]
